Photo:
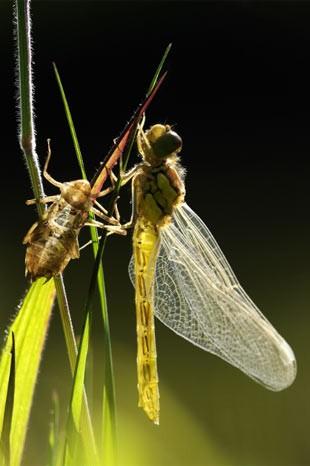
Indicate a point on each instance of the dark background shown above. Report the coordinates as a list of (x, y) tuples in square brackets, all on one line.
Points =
[(238, 93)]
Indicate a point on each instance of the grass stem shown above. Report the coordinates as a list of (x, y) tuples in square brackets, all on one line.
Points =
[(28, 145)]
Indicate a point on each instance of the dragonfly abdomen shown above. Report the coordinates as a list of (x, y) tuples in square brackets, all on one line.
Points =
[(145, 241)]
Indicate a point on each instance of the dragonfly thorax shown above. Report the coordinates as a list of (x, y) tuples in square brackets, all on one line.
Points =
[(77, 193)]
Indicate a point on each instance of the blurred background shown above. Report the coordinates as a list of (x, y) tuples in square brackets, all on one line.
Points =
[(238, 93)]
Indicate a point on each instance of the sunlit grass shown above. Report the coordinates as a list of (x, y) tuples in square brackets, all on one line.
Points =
[(30, 329)]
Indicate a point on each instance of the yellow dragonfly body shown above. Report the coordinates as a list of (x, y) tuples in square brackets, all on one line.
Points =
[(158, 190), (181, 276)]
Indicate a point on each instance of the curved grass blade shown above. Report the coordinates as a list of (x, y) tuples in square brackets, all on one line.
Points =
[(70, 123), (78, 382), (75, 444), (159, 68), (30, 330)]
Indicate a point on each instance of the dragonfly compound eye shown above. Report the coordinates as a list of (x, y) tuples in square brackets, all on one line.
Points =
[(167, 144)]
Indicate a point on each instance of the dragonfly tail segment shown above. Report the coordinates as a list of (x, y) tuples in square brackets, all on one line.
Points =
[(145, 245)]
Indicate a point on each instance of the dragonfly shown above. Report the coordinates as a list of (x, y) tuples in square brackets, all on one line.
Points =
[(182, 277)]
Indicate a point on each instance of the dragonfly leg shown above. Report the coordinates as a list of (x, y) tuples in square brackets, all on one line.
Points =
[(101, 207), (116, 212), (46, 175), (130, 223), (104, 216), (118, 229), (112, 220), (142, 141), (127, 176), (104, 211), (105, 192), (42, 200), (27, 237), (113, 179), (113, 229), (89, 243)]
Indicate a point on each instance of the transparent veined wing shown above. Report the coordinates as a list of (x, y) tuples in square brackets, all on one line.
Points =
[(198, 296)]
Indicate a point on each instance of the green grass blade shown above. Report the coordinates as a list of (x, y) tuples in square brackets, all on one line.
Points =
[(30, 328), (77, 441), (78, 382), (93, 230), (8, 410), (159, 68), (70, 123)]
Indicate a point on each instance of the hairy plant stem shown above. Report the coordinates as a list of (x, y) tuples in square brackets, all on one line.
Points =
[(28, 145), (25, 87)]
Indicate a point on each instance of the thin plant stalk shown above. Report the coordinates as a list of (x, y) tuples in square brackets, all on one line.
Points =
[(28, 146), (67, 325), (93, 230), (26, 130)]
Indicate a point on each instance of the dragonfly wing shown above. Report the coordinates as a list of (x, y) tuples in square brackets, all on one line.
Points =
[(198, 296)]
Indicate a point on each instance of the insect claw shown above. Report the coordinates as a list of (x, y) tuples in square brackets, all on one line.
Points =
[(119, 230)]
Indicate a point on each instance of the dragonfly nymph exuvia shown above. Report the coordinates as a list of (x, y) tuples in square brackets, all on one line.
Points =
[(52, 241), (182, 277)]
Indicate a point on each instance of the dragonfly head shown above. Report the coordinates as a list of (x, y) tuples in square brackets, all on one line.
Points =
[(77, 193), (160, 143)]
